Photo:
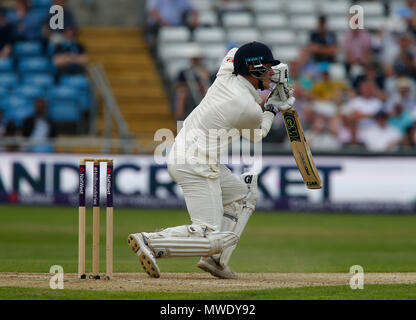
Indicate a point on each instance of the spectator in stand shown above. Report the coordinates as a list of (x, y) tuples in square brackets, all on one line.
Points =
[(404, 63), (385, 43), (406, 11), (320, 137), (6, 38), (346, 130), (365, 105), (11, 131), (170, 13), (404, 93), (39, 128), (69, 56), (372, 72), (191, 86), (328, 94), (380, 136), (300, 79), (401, 118), (27, 24), (409, 140), (357, 48), (55, 36), (323, 43)]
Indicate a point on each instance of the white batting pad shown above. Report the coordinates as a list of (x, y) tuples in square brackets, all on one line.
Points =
[(189, 241), (237, 214)]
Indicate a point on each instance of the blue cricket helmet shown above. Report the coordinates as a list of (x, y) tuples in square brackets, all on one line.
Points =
[(255, 54)]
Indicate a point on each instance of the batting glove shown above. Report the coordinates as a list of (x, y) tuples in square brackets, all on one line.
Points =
[(276, 102), (274, 105)]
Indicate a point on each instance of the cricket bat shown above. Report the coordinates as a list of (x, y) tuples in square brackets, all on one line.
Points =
[(301, 150), (300, 147)]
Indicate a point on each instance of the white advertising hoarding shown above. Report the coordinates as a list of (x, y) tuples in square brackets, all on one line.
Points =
[(348, 182)]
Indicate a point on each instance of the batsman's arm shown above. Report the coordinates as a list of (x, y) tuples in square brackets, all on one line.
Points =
[(257, 127)]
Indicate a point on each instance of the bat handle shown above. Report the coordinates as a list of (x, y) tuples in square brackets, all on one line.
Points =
[(282, 93)]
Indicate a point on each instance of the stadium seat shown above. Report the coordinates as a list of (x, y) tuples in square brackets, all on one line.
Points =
[(285, 53), (76, 81), (34, 64), (4, 92), (29, 91), (267, 6), (303, 37), (80, 84), (178, 51), (304, 22), (374, 23), (271, 21), (212, 64), (337, 8), (44, 80), (201, 5), (295, 7), (63, 93), (203, 35), (41, 3), (337, 71), (18, 115), (174, 34), (208, 18), (372, 8), (213, 51), (237, 20), (242, 35), (27, 49), (338, 23), (64, 111), (6, 65), (16, 108), (8, 79), (279, 37)]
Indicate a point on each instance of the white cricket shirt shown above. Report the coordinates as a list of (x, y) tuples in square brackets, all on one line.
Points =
[(230, 105)]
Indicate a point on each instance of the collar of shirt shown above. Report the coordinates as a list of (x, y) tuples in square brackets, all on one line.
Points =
[(250, 88)]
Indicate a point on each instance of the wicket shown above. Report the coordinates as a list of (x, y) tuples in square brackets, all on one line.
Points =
[(96, 219)]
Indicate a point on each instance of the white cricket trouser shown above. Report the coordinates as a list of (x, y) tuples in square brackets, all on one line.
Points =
[(207, 189)]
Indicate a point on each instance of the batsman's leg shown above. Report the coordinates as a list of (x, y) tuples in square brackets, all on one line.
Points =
[(181, 241), (243, 196), (202, 238), (237, 221)]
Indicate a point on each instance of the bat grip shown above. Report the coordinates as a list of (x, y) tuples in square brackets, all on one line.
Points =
[(282, 93)]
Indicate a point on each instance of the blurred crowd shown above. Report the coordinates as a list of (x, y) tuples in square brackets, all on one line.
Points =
[(35, 56), (373, 107), (368, 103)]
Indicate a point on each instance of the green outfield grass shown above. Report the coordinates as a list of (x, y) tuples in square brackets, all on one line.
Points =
[(34, 238)]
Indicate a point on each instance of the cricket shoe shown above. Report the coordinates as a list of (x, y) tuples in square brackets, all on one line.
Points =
[(250, 179), (138, 244), (209, 264)]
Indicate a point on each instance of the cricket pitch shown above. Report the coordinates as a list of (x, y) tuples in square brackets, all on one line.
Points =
[(201, 282)]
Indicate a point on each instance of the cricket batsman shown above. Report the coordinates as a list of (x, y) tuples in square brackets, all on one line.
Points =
[(219, 203)]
